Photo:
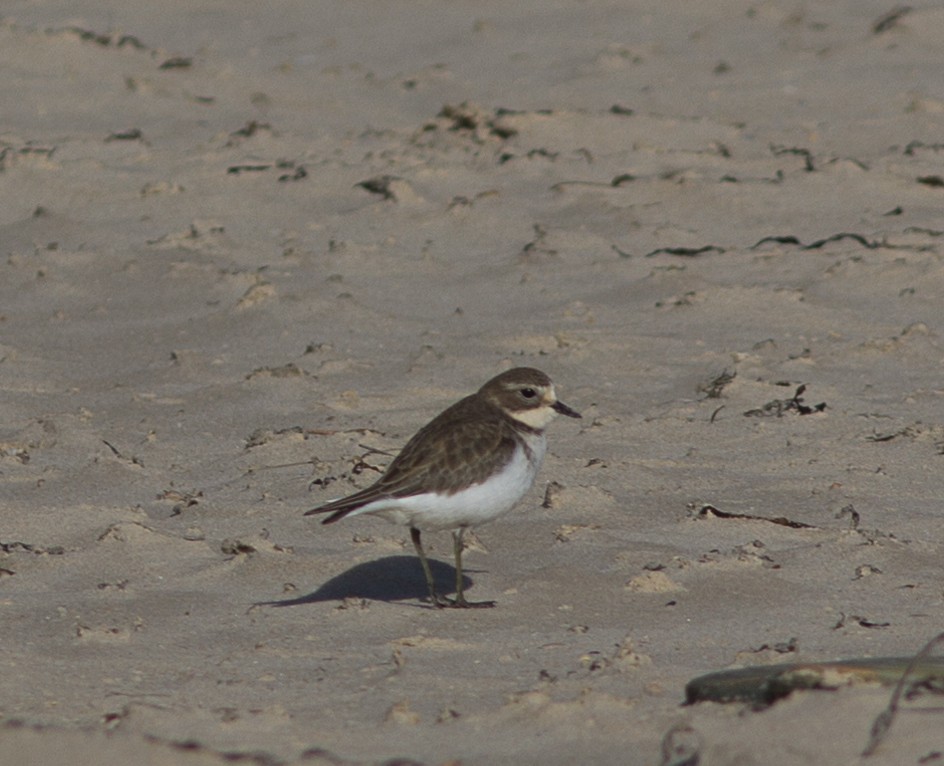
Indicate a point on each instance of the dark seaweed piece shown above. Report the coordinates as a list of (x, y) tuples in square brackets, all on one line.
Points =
[(709, 510), (912, 145), (131, 134), (806, 154), (778, 407), (787, 239), (235, 170), (870, 244), (686, 251), (890, 19), (297, 174), (379, 185), (177, 62)]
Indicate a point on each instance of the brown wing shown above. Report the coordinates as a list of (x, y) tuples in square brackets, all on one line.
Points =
[(342, 507), (457, 448)]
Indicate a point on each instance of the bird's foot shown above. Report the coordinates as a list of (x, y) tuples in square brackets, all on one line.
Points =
[(441, 602)]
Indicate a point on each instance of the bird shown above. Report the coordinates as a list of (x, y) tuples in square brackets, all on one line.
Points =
[(469, 465)]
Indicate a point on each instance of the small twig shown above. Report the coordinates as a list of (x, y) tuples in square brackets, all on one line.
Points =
[(113, 448), (883, 722)]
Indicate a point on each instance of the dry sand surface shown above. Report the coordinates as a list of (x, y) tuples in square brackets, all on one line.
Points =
[(249, 248)]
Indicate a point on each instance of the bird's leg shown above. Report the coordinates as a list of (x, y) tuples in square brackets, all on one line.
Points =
[(457, 552), (440, 601), (460, 595)]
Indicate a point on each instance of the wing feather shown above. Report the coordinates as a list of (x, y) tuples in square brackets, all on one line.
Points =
[(463, 445)]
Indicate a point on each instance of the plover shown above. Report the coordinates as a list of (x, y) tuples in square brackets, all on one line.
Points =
[(470, 464)]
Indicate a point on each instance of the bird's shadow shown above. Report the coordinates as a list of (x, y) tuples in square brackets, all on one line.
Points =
[(392, 578)]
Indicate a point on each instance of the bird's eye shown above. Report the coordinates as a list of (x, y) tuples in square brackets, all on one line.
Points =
[(528, 393)]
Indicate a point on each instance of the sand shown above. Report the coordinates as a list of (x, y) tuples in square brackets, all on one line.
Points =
[(248, 249)]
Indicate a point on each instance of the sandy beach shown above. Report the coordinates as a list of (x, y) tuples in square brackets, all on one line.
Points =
[(247, 250)]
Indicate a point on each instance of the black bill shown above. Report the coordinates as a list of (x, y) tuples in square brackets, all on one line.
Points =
[(563, 409)]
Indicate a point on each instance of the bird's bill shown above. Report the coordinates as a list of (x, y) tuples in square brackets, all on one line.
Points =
[(563, 409)]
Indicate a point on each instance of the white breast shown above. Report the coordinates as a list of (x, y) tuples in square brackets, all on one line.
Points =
[(478, 504)]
